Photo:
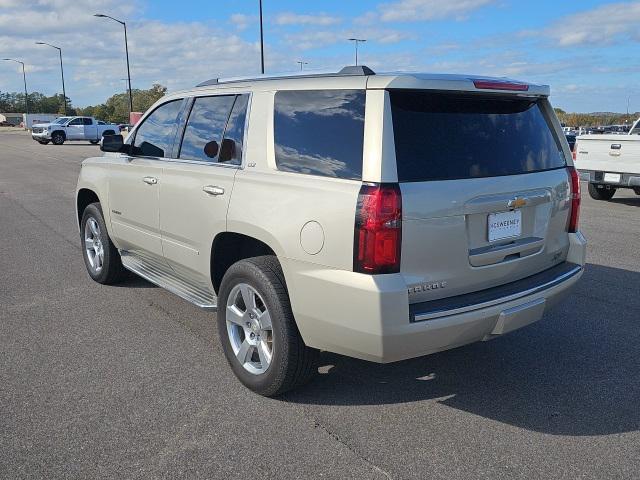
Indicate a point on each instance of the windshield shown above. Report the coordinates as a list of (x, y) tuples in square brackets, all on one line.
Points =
[(61, 120), (443, 136)]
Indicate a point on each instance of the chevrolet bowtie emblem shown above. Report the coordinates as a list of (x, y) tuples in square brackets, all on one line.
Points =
[(517, 202)]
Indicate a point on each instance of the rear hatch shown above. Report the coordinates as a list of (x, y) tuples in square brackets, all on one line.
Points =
[(485, 190)]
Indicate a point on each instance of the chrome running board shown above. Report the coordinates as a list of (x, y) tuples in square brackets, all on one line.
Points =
[(162, 275)]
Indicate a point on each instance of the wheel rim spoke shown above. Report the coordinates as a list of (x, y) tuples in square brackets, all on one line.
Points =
[(235, 316), (265, 320), (244, 353), (264, 354), (248, 297), (88, 242)]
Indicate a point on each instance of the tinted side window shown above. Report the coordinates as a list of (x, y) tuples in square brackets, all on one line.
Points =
[(76, 121), (87, 121), (320, 132), (445, 136), (154, 138), (231, 152), (205, 127)]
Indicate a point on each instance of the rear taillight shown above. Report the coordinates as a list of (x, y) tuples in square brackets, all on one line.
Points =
[(378, 229), (574, 181)]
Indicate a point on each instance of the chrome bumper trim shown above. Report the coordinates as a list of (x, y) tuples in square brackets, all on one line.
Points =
[(418, 317)]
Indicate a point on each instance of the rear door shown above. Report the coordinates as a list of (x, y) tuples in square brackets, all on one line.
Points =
[(485, 190), (90, 129), (197, 185)]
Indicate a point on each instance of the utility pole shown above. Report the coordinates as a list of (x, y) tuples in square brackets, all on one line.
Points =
[(64, 93), (26, 94), (357, 41), (302, 64), (126, 49), (261, 42)]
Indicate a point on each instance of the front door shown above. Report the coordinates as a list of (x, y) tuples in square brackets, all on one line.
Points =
[(135, 181), (196, 187), (75, 129)]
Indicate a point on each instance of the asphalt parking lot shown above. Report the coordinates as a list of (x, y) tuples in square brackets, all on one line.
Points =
[(130, 381)]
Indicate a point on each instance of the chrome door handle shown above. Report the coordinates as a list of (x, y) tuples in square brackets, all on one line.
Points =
[(213, 190), (150, 180)]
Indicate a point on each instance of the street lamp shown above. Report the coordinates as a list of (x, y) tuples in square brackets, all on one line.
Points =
[(26, 95), (261, 42), (357, 41), (302, 64), (64, 93), (126, 49)]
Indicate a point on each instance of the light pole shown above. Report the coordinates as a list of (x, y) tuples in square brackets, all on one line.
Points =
[(261, 42), (126, 49), (357, 41), (26, 94), (302, 64), (64, 93)]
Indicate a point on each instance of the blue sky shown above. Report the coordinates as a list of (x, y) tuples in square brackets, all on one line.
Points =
[(588, 51)]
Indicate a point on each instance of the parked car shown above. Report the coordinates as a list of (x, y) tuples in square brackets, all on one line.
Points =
[(610, 162), (382, 217), (6, 124), (72, 129)]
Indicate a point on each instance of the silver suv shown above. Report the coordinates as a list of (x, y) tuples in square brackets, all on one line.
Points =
[(379, 216)]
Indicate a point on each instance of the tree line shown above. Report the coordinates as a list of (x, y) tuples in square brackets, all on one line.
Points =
[(38, 103), (115, 109), (594, 119)]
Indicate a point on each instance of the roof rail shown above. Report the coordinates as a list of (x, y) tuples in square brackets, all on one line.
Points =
[(350, 70)]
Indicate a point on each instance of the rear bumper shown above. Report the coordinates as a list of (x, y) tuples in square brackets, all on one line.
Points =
[(627, 180), (369, 317)]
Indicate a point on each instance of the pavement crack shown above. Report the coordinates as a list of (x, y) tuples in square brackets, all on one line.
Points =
[(318, 425)]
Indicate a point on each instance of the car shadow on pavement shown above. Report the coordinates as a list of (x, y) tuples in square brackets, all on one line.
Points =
[(131, 280), (631, 201), (576, 372)]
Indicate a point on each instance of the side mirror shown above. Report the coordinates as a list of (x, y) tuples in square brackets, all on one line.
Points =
[(227, 150), (112, 143)]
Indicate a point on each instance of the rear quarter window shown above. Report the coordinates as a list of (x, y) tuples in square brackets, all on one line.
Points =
[(320, 132), (442, 136)]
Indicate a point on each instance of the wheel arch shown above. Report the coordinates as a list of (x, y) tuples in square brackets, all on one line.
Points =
[(64, 134), (228, 248), (84, 198)]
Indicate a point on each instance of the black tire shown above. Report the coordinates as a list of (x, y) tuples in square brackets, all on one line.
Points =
[(57, 138), (601, 193), (292, 363), (636, 190), (112, 270), (43, 142), (94, 142)]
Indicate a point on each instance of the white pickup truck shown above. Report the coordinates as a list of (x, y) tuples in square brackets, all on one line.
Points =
[(609, 162), (73, 129)]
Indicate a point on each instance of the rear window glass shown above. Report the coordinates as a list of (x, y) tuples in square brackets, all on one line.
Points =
[(440, 136), (320, 132)]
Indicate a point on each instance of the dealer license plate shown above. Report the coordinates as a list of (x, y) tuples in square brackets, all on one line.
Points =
[(504, 225)]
